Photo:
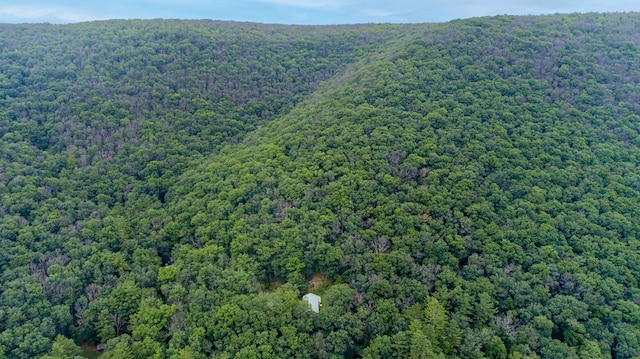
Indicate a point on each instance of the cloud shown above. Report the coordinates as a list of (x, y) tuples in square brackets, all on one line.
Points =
[(175, 2), (44, 14), (376, 13), (308, 4), (338, 11), (465, 8)]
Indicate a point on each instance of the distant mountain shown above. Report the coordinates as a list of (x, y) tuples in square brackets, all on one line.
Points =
[(470, 189)]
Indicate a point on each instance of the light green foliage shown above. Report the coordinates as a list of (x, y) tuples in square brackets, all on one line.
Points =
[(151, 320), (421, 346), (496, 349), (64, 348), (120, 351)]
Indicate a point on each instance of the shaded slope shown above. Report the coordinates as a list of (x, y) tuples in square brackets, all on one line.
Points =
[(490, 163), (106, 114)]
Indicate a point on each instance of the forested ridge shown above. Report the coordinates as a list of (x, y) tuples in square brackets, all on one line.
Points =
[(460, 190)]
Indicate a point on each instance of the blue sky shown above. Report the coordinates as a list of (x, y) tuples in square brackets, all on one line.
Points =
[(294, 11)]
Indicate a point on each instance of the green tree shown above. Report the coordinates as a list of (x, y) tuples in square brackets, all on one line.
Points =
[(64, 348)]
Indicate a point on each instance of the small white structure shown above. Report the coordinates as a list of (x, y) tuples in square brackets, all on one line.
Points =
[(313, 300)]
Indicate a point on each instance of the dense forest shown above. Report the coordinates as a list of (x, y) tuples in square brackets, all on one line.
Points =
[(471, 189)]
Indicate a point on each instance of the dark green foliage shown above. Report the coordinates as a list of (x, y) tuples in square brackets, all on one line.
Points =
[(469, 189)]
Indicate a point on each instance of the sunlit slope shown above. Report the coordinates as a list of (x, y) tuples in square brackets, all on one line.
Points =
[(490, 162)]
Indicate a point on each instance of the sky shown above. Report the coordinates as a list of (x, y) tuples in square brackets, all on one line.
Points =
[(294, 11)]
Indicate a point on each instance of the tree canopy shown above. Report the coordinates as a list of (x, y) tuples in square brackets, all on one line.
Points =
[(460, 190)]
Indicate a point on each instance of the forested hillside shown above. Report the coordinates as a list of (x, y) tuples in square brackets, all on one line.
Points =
[(462, 190)]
